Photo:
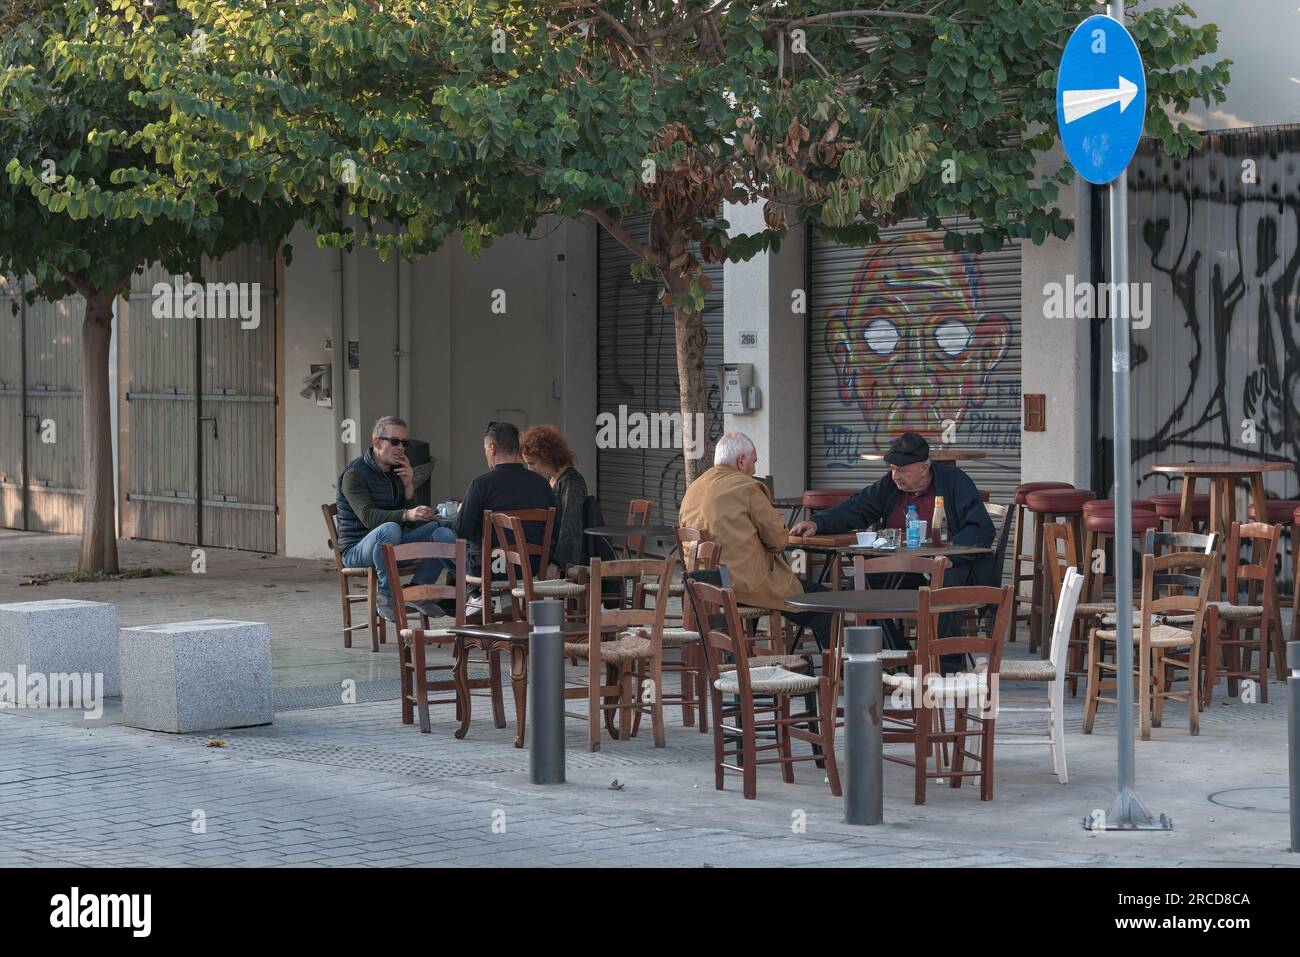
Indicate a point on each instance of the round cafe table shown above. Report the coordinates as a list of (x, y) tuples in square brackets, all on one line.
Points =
[(1223, 478)]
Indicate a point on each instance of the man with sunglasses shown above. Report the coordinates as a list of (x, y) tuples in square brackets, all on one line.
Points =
[(376, 505)]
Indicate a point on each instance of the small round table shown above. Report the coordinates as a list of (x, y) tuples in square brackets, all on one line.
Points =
[(1223, 478)]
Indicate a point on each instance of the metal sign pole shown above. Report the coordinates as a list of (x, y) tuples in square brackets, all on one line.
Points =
[(1128, 812)]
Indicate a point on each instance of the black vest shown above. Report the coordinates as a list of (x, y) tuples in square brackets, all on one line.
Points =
[(385, 491)]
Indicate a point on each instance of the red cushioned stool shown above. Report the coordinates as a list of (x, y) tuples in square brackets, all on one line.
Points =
[(1284, 512), (1169, 506), (1100, 525), (1065, 504)]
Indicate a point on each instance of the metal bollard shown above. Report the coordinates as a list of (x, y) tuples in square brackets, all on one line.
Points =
[(864, 796), (1293, 736), (546, 692)]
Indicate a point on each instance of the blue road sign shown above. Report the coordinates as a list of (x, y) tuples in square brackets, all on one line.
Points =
[(1101, 99)]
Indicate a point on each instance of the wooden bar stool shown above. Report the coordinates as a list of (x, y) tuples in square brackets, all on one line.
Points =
[(1099, 522), (1018, 554), (1168, 506), (1049, 505)]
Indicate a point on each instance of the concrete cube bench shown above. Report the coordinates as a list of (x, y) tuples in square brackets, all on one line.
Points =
[(61, 636), (186, 676)]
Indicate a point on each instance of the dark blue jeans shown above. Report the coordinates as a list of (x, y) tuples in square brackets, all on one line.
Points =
[(368, 552)]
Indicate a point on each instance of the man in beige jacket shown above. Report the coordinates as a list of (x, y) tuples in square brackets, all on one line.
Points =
[(735, 510)]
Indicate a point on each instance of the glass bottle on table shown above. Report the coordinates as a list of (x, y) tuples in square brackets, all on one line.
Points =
[(939, 523)]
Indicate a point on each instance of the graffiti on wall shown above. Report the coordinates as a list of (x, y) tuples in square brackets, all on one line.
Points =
[(915, 348), (1217, 376)]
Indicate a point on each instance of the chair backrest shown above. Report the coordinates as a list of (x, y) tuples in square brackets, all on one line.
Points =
[(419, 551), (1176, 583), (520, 553), (1002, 514), (630, 613), (638, 513), (330, 510), (716, 605), (933, 568), (1158, 542), (1071, 588), (1060, 551), (688, 544), (1257, 571), (931, 646)]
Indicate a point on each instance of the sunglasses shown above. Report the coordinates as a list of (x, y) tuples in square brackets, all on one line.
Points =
[(392, 441)]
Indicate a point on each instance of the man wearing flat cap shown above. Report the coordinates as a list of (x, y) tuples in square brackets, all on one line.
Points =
[(914, 480)]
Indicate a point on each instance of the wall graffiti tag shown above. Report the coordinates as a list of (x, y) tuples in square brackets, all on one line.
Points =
[(1217, 376)]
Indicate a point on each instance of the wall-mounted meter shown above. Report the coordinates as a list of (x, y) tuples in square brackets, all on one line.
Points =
[(739, 394)]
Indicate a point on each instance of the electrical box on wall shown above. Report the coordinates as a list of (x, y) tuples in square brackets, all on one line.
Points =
[(739, 394)]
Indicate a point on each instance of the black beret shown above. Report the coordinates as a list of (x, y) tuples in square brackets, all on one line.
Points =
[(907, 449)]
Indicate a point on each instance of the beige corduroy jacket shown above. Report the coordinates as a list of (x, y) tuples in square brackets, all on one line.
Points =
[(736, 511)]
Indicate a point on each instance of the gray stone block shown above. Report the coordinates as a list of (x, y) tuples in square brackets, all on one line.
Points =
[(61, 636), (186, 676)]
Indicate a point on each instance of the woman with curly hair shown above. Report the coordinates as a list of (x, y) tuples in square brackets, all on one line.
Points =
[(547, 454)]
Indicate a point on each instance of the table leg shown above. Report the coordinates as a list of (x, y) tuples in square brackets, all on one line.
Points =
[(1185, 507), (519, 684), (1216, 506), (1036, 590), (1258, 496)]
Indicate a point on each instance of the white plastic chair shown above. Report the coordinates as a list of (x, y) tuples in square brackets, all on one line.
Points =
[(1053, 672)]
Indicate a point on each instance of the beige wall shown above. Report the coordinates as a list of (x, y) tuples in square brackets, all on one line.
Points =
[(535, 363)]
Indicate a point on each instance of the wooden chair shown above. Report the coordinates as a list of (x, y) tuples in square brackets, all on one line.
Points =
[(1060, 552), (374, 623), (491, 551), (894, 565), (632, 658), (1257, 611), (737, 724), (1052, 671), (413, 643), (638, 513), (523, 586), (692, 670), (970, 693), (1166, 581)]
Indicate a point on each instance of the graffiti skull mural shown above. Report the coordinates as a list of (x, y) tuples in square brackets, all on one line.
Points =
[(913, 347)]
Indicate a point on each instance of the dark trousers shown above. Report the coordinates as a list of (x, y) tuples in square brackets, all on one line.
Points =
[(949, 624), (820, 622)]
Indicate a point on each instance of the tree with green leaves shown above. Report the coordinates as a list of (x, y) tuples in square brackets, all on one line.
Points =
[(82, 210), (483, 116)]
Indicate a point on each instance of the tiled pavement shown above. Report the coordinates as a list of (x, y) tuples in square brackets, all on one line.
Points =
[(349, 785)]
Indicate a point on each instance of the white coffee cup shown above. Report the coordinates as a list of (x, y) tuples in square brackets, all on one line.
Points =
[(866, 539)]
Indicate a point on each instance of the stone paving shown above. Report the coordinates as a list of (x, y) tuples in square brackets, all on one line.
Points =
[(349, 785)]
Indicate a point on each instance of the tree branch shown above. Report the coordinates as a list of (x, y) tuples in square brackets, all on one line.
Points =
[(616, 230)]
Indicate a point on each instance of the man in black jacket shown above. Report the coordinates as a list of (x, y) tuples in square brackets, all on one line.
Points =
[(914, 480), (508, 484), (376, 505)]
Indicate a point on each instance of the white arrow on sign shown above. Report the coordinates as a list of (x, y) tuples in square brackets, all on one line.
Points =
[(1079, 103)]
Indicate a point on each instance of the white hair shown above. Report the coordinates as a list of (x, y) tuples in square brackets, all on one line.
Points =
[(731, 446)]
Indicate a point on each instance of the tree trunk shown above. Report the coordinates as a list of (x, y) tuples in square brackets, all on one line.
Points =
[(694, 389), (98, 524)]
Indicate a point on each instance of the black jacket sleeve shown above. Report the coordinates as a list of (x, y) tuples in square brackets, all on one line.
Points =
[(859, 512), (570, 496), (469, 520), (968, 520)]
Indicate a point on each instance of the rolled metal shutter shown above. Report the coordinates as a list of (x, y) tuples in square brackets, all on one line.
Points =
[(637, 357), (905, 336)]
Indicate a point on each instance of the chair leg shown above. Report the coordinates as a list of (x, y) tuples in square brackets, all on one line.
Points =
[(1261, 666), (460, 672), (657, 699), (748, 749), (422, 687), (347, 611), (827, 731), (1144, 689), (1017, 576), (1056, 698), (921, 720), (783, 738), (494, 679), (1094, 681), (372, 609), (1160, 675), (1212, 654), (986, 761), (1279, 646), (718, 743), (701, 678), (404, 660), (687, 685), (1194, 689), (594, 700)]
